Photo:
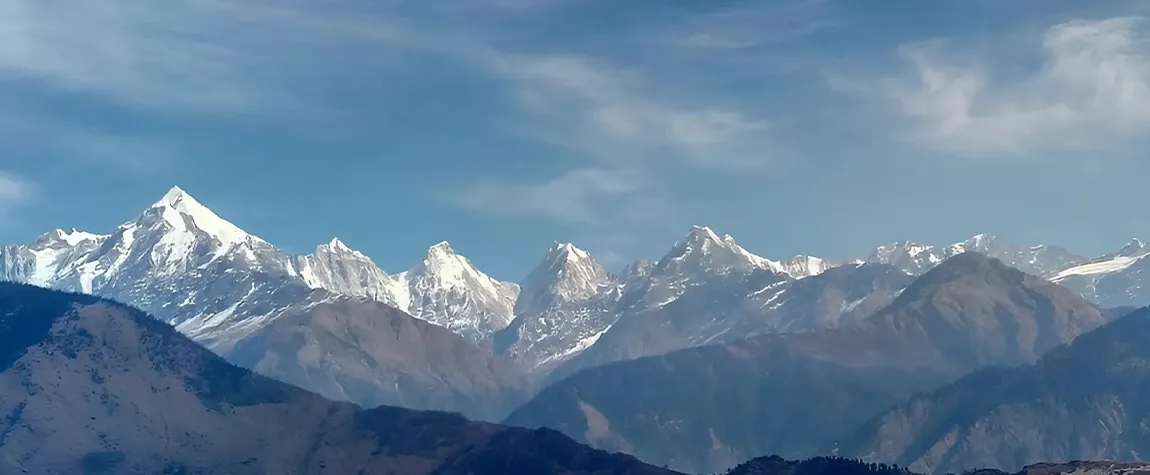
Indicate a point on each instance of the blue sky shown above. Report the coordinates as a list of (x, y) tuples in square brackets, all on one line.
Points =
[(799, 126)]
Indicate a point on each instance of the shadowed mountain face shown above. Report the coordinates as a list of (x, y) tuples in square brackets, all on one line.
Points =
[(370, 353), (1086, 400), (89, 386), (704, 409)]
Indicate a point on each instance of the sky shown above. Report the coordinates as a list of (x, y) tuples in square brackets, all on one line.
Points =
[(823, 127)]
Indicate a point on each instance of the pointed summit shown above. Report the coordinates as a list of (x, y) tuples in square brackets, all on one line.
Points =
[(560, 251), (338, 245), (702, 249), (698, 239), (448, 290), (1134, 248), (440, 249), (566, 274), (174, 197), (178, 204), (703, 233)]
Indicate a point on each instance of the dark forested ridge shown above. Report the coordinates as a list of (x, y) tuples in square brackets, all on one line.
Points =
[(814, 466)]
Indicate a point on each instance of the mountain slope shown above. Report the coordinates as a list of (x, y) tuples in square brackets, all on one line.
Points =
[(704, 409), (90, 386), (369, 353), (1113, 280), (1086, 400)]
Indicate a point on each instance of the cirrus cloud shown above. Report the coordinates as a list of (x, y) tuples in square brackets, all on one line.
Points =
[(1093, 86)]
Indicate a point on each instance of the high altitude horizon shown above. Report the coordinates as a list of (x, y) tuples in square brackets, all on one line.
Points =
[(503, 124), (206, 219)]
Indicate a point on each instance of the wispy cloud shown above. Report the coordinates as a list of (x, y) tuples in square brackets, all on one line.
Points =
[(1093, 86), (585, 196), (752, 24), (14, 192), (76, 144), (619, 115), (184, 56)]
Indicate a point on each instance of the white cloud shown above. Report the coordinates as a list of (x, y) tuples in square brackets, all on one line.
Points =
[(1093, 87), (585, 196), (14, 192), (619, 115), (197, 56)]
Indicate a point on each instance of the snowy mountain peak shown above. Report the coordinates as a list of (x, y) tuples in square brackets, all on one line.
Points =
[(565, 252), (336, 246), (566, 274), (703, 233), (175, 196), (448, 290), (1134, 248), (177, 205), (806, 266), (441, 249), (700, 239), (702, 249)]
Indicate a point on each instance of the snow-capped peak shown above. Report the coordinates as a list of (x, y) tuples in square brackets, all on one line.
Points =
[(453, 270), (980, 240), (699, 238), (1134, 248), (440, 250), (705, 248), (806, 266), (566, 274), (454, 294), (177, 204), (566, 252), (704, 233), (336, 246)]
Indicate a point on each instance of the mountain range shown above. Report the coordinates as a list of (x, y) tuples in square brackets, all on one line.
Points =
[(705, 409), (93, 387), (227, 289), (699, 360)]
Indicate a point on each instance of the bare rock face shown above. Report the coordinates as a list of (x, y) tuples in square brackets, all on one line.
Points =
[(89, 386)]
